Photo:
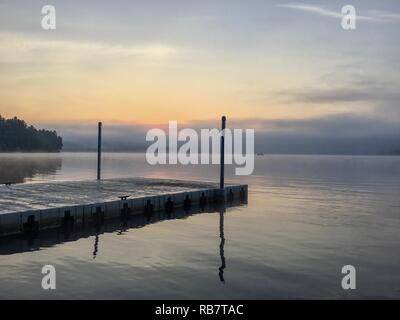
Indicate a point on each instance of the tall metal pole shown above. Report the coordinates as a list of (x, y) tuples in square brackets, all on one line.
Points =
[(99, 153), (222, 160)]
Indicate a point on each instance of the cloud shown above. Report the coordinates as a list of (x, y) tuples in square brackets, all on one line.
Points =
[(339, 94), (311, 8), (386, 16), (379, 95), (346, 133), (116, 137), (17, 48), (331, 134), (373, 16), (339, 124)]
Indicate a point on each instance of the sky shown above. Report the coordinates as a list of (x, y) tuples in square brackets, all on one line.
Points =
[(286, 68)]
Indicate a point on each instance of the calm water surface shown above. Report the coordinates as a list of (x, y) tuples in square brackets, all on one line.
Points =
[(307, 216)]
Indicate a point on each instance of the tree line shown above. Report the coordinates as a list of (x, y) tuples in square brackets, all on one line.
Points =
[(16, 135)]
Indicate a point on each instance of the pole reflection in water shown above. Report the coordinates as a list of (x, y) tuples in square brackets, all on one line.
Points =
[(96, 246), (222, 244)]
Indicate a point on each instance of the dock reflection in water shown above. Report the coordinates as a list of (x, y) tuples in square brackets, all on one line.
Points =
[(49, 238)]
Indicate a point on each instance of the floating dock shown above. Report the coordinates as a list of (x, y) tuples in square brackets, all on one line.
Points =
[(29, 208)]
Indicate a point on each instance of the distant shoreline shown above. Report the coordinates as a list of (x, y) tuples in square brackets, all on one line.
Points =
[(17, 136)]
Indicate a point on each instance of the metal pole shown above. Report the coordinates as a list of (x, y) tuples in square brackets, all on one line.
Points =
[(99, 153), (222, 163)]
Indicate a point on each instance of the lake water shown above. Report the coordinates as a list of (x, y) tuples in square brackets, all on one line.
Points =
[(306, 217)]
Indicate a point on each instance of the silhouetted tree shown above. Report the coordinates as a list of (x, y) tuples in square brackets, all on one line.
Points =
[(16, 135)]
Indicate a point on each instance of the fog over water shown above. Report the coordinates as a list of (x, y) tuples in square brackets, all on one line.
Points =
[(334, 134)]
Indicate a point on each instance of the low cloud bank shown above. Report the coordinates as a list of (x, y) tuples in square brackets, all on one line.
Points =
[(335, 134)]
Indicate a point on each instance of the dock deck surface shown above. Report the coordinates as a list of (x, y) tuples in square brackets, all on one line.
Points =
[(39, 196)]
